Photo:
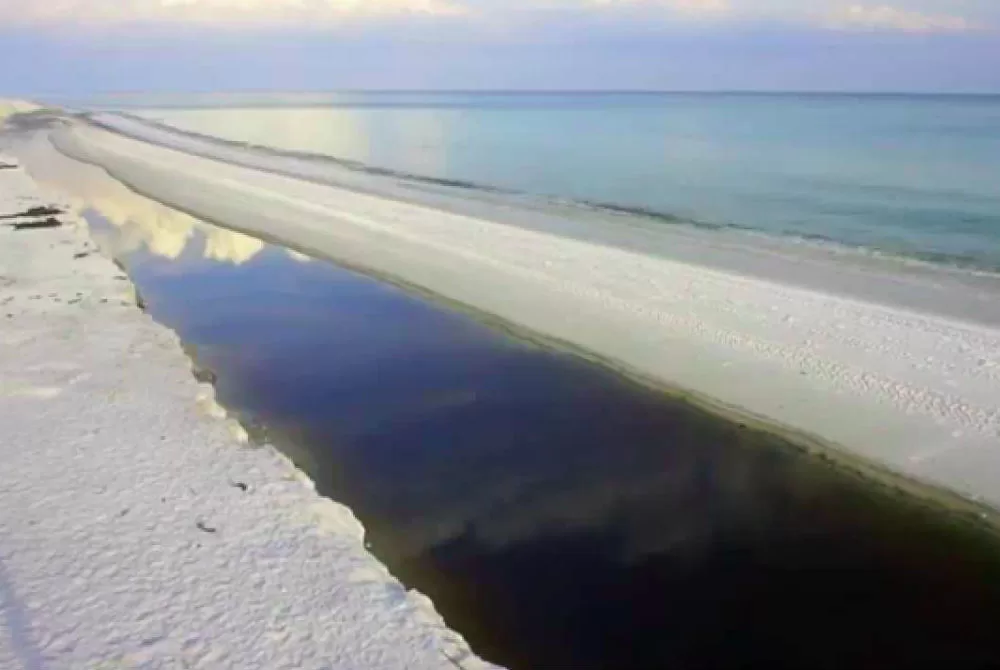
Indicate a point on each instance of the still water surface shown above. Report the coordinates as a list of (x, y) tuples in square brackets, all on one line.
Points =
[(558, 515)]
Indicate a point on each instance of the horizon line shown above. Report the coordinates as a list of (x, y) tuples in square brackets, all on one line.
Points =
[(519, 91)]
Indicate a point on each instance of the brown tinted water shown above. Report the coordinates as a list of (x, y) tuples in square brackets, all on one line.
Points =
[(558, 515)]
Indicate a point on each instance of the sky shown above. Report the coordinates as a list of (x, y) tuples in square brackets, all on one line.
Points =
[(91, 47)]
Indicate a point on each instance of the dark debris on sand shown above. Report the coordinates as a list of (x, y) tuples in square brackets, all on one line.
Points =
[(39, 224), (34, 212)]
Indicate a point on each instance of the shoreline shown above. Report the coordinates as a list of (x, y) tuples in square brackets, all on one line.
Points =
[(146, 128), (959, 293), (962, 508), (886, 391), (131, 495)]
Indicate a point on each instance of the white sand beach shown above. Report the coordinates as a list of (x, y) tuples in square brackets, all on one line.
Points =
[(243, 564), (137, 527)]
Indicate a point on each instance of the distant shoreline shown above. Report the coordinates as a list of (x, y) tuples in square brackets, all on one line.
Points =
[(417, 91)]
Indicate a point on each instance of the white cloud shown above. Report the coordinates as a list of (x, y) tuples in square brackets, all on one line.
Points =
[(211, 11), (916, 16), (886, 17), (711, 7)]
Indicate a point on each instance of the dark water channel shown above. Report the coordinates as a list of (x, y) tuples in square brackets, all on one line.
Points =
[(558, 515)]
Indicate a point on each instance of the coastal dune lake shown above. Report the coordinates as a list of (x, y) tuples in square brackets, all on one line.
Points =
[(558, 515)]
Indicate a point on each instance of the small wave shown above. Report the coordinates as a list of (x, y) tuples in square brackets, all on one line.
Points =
[(906, 256), (656, 215), (964, 262), (347, 163)]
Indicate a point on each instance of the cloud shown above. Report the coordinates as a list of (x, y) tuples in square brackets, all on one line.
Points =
[(693, 7), (486, 17), (219, 11), (886, 17), (141, 223)]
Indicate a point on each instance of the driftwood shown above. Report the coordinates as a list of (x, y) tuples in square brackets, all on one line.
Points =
[(34, 211), (205, 528), (34, 225)]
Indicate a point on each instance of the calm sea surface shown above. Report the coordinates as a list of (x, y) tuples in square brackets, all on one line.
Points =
[(911, 175)]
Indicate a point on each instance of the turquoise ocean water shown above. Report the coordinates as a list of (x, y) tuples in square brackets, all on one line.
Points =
[(909, 175)]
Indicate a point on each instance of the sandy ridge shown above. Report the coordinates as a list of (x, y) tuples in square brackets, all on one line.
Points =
[(911, 390)]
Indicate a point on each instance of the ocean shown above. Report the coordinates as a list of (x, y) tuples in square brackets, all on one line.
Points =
[(906, 175)]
